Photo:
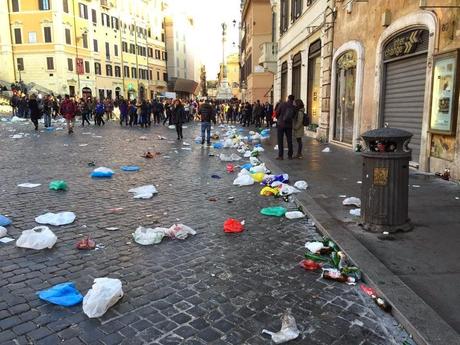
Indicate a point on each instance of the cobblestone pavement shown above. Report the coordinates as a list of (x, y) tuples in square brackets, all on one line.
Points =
[(213, 288)]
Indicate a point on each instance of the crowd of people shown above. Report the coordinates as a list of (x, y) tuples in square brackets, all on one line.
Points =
[(289, 116)]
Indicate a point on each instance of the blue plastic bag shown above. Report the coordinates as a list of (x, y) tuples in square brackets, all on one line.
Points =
[(130, 168), (218, 145), (64, 294), (4, 221), (102, 172), (246, 166)]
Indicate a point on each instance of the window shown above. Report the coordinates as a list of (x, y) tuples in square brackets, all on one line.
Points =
[(32, 37), (105, 19), (20, 64), (284, 22), (50, 63), (117, 71), (108, 70), (15, 5), (149, 33), (296, 9), (97, 68), (107, 50), (17, 36), (84, 38), (87, 70), (164, 56), (132, 48), (65, 6), (157, 54), (104, 3), (94, 16), (158, 75), (95, 46), (126, 71), (150, 75), (70, 64), (67, 36), (115, 50), (165, 76), (296, 75), (162, 37), (44, 5), (83, 11), (134, 72), (115, 23), (47, 34)]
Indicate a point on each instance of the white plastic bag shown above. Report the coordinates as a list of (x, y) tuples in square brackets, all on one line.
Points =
[(294, 215), (243, 180), (38, 238), (289, 330), (144, 192), (56, 219), (356, 212), (3, 232), (229, 158), (314, 246), (104, 293), (247, 154), (259, 169), (254, 161), (352, 201), (327, 149), (228, 143), (244, 172), (29, 185), (179, 231), (147, 236), (288, 190), (301, 185)]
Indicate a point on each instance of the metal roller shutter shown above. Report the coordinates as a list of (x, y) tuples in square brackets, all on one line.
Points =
[(404, 97)]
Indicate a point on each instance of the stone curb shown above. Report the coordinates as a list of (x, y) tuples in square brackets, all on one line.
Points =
[(417, 317)]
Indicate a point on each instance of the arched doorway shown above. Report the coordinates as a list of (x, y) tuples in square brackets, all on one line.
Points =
[(345, 97), (117, 92), (86, 93), (403, 83)]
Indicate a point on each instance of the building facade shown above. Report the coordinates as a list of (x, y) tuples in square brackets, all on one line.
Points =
[(103, 48), (256, 28), (233, 74), (398, 70), (304, 46)]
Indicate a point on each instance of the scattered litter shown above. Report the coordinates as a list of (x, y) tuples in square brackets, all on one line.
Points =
[(186, 148), (383, 304), (269, 191), (3, 232), (342, 196), (289, 330), (301, 185), (56, 219), (6, 240), (243, 180), (29, 185), (160, 137), (115, 209), (65, 295), (310, 265), (4, 221), (144, 192), (288, 190), (58, 185), (102, 172), (258, 177), (294, 215), (38, 238), (148, 236), (213, 198), (86, 244), (172, 127), (416, 186), (352, 201), (112, 228), (326, 149), (232, 225), (229, 158), (276, 211), (356, 212), (179, 231), (314, 246), (143, 138), (148, 154), (104, 293), (92, 164), (276, 147), (359, 182), (230, 168), (130, 168), (215, 176), (83, 145)]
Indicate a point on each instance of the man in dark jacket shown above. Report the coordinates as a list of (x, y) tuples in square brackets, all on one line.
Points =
[(35, 112), (207, 114), (285, 115), (178, 117)]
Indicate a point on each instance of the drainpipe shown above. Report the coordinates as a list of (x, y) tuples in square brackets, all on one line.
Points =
[(76, 47), (12, 44)]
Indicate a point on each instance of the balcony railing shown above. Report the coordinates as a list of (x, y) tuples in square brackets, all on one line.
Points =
[(269, 56)]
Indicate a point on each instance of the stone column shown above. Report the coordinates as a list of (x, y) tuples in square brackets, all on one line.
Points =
[(289, 76)]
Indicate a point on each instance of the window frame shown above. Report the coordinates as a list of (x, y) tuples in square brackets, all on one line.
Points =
[(69, 36), (42, 3), (83, 10), (15, 31), (87, 67), (48, 60), (70, 65), (50, 35), (65, 6), (15, 8), (20, 66), (97, 68)]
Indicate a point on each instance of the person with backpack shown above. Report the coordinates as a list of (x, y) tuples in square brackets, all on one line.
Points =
[(298, 126), (99, 113), (132, 112), (68, 110), (285, 115), (123, 112)]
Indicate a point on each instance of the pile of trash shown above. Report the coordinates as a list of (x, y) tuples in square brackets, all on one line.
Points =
[(149, 236)]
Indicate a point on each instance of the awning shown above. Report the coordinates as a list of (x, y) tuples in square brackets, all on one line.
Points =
[(184, 85)]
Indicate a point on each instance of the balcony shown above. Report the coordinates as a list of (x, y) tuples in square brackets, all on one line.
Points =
[(269, 56)]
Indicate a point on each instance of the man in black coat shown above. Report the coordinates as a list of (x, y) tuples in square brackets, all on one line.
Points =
[(285, 115)]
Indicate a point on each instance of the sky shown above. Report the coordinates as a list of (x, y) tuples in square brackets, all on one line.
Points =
[(209, 15)]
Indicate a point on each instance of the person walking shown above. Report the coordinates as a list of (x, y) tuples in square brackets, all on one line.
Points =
[(68, 110), (34, 110), (132, 112), (123, 112), (207, 114), (178, 117), (168, 114), (284, 116), (85, 111), (298, 126), (99, 113), (47, 110), (257, 112)]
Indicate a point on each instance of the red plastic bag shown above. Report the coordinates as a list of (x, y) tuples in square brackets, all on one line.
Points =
[(230, 168), (309, 265), (368, 290), (233, 225), (86, 244)]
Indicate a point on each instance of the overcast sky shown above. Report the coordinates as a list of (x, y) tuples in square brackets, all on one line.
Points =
[(209, 15)]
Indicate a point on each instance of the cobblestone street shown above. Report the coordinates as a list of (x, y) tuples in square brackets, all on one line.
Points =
[(212, 288)]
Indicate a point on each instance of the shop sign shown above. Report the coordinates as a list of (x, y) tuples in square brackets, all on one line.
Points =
[(403, 44)]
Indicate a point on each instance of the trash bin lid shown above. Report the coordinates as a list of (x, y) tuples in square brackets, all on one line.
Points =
[(387, 133)]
